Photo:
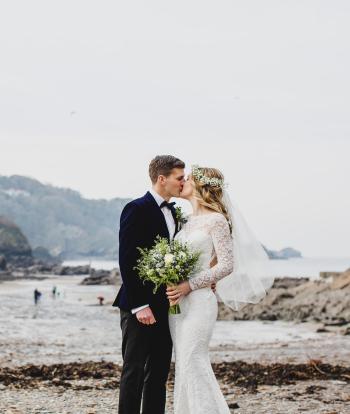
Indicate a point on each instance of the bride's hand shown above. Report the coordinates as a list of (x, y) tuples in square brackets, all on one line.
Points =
[(174, 293)]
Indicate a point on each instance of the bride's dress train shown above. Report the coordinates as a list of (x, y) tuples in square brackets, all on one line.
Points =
[(196, 389)]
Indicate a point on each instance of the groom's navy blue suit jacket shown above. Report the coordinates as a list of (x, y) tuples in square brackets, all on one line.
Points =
[(141, 222)]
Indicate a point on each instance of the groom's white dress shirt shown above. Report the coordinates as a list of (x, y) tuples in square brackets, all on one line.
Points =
[(169, 219)]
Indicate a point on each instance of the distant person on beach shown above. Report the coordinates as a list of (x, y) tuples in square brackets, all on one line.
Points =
[(37, 296), (100, 300), (54, 292)]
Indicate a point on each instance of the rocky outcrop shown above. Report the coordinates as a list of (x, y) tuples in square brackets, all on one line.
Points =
[(14, 246), (286, 253), (342, 281), (326, 301), (102, 277), (71, 270), (43, 255)]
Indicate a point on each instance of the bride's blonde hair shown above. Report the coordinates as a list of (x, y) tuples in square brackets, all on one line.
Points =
[(211, 195)]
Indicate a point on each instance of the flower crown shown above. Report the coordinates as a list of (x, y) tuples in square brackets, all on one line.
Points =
[(201, 177)]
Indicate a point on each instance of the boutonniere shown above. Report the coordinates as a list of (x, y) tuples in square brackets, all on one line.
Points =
[(181, 218)]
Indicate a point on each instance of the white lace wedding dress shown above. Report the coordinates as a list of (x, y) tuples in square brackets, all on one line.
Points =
[(196, 389)]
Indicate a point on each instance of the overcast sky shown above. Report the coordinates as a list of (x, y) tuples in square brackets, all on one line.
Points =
[(91, 91)]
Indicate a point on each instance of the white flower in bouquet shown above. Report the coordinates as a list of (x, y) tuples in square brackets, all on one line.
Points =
[(168, 258)]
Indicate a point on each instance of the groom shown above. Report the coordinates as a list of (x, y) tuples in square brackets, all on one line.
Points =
[(146, 343)]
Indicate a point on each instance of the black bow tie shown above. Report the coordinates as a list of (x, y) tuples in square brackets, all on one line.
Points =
[(171, 207), (166, 204)]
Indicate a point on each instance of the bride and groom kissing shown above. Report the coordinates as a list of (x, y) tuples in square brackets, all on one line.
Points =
[(149, 333)]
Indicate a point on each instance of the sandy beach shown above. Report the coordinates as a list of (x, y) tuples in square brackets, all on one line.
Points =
[(74, 329)]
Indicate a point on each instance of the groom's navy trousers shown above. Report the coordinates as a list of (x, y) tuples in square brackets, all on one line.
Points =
[(146, 349)]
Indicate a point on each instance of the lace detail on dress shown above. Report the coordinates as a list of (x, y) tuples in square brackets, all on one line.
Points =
[(216, 226), (196, 389)]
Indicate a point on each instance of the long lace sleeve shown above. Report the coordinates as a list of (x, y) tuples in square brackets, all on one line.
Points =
[(223, 246)]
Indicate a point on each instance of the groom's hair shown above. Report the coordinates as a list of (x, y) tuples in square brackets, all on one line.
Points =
[(163, 165)]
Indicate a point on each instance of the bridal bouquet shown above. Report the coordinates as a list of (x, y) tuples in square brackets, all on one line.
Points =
[(167, 263)]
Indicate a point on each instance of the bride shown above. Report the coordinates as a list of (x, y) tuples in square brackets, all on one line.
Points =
[(232, 258)]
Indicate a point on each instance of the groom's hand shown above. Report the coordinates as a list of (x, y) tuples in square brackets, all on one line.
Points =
[(145, 316)]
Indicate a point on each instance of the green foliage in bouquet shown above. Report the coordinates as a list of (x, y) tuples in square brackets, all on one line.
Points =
[(166, 263)]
